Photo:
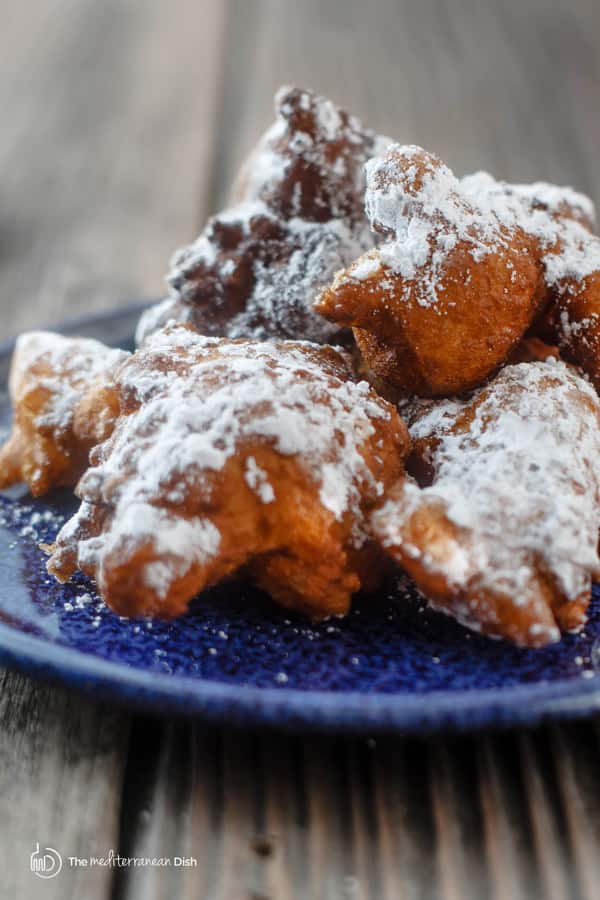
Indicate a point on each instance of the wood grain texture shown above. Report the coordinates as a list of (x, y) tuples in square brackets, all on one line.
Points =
[(406, 825), (122, 124), (61, 777), (508, 839), (511, 87), (575, 750), (557, 877), (459, 846), (105, 159), (106, 149), (272, 817)]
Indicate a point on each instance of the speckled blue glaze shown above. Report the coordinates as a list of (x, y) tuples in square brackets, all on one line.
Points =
[(392, 665)]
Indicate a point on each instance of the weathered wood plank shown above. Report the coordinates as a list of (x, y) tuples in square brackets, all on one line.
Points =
[(406, 825), (547, 818), (61, 770), (329, 858), (106, 153), (228, 801), (172, 809), (461, 858), (106, 150), (275, 817), (508, 839), (365, 877), (281, 845), (576, 751), (512, 87)]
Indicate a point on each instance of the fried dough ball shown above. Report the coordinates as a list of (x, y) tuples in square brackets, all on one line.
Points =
[(440, 304), (297, 217), (49, 442), (234, 456), (561, 221), (500, 528), (540, 201), (574, 316)]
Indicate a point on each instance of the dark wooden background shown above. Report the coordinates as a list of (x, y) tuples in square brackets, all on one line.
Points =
[(121, 123)]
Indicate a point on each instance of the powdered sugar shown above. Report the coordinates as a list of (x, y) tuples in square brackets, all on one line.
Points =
[(179, 541), (297, 218), (273, 391), (194, 402), (558, 218), (419, 205), (62, 367), (538, 199), (170, 310), (280, 302), (258, 480), (521, 476), (425, 211), (578, 257)]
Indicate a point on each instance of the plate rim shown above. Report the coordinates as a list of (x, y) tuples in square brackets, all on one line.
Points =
[(292, 709), (287, 708)]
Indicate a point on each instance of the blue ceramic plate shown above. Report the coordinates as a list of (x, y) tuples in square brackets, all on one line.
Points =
[(392, 665)]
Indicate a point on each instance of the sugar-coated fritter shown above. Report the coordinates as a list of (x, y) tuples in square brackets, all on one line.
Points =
[(297, 217), (50, 438), (500, 526), (233, 456), (439, 305), (561, 222)]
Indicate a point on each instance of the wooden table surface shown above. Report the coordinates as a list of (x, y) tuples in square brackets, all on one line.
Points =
[(122, 122)]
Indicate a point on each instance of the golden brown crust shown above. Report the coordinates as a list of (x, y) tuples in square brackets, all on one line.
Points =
[(533, 349), (561, 222), (501, 529), (532, 623), (50, 375), (437, 314), (233, 456), (574, 319), (319, 150), (466, 268), (297, 216)]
